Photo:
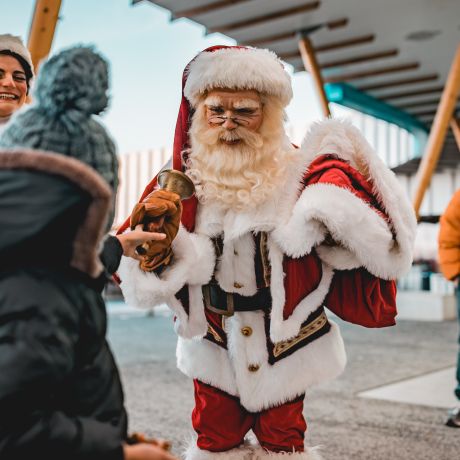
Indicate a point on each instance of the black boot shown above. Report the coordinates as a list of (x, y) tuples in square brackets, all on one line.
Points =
[(453, 419)]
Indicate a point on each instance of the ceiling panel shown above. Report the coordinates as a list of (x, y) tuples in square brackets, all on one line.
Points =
[(409, 43)]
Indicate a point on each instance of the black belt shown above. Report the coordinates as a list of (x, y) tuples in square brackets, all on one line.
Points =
[(226, 303)]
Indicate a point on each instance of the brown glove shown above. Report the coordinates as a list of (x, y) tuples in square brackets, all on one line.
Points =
[(160, 211)]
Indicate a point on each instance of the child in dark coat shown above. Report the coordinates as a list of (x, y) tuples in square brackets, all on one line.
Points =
[(60, 392)]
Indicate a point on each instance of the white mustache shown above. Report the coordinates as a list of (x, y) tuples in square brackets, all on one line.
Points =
[(229, 136), (254, 140)]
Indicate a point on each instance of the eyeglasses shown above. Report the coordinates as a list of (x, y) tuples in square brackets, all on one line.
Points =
[(239, 120), (241, 116)]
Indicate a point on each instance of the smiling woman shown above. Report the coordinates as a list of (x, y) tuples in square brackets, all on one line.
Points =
[(16, 72)]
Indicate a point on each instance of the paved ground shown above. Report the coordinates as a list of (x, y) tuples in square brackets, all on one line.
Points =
[(160, 399)]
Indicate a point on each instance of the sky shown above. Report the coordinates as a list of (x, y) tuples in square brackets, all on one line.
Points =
[(147, 54)]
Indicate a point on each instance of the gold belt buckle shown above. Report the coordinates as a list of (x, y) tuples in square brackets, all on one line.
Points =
[(230, 305)]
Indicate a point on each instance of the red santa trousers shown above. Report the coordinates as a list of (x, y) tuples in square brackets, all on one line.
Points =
[(221, 422)]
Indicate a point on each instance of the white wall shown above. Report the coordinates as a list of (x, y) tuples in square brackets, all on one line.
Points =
[(442, 187), (136, 170)]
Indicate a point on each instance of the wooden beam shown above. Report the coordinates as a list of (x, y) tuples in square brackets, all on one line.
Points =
[(270, 39), (418, 92), (267, 17), (337, 23), (286, 35), (358, 59), (455, 126), (438, 131), (332, 46), (371, 73), (41, 33), (417, 104), (311, 65), (407, 81), (345, 43), (422, 113), (210, 7)]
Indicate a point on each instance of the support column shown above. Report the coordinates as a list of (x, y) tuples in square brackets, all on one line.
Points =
[(455, 126), (42, 29), (311, 65), (438, 131)]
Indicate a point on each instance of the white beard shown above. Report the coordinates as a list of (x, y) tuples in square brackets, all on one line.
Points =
[(242, 176)]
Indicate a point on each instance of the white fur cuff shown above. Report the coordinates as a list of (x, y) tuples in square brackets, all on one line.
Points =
[(239, 453), (299, 234), (309, 454), (193, 264), (246, 452), (364, 236)]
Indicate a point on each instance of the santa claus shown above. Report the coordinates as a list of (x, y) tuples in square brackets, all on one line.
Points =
[(274, 236)]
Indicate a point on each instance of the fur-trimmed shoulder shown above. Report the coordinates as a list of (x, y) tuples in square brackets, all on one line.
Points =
[(342, 139), (332, 137)]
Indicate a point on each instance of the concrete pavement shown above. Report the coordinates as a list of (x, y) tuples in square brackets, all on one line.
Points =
[(347, 426)]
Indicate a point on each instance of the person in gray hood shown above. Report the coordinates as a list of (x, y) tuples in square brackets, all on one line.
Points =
[(71, 88)]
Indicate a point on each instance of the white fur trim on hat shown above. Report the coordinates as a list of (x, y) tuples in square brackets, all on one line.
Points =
[(14, 44), (239, 69)]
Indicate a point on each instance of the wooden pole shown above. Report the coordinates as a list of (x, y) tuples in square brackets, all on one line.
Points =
[(42, 29), (438, 131), (311, 65), (455, 126)]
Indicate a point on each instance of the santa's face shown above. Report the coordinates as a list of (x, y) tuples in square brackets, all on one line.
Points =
[(237, 159), (227, 110)]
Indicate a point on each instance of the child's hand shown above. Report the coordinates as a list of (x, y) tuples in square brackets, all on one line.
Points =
[(130, 241), (146, 451)]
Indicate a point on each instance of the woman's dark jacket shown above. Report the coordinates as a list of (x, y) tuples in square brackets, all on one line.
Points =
[(60, 392)]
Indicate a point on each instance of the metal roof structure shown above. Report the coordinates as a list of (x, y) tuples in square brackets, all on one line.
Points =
[(387, 58)]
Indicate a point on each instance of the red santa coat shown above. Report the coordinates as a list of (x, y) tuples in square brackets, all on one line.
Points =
[(355, 295), (294, 345)]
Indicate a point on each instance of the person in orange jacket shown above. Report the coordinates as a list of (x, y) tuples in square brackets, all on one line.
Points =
[(449, 262)]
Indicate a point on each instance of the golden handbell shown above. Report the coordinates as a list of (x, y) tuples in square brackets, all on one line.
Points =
[(172, 181), (177, 182)]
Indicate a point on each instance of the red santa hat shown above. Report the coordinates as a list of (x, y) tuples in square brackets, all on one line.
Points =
[(237, 68), (229, 67)]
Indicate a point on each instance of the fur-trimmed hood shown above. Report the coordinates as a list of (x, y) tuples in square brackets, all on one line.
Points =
[(54, 211)]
